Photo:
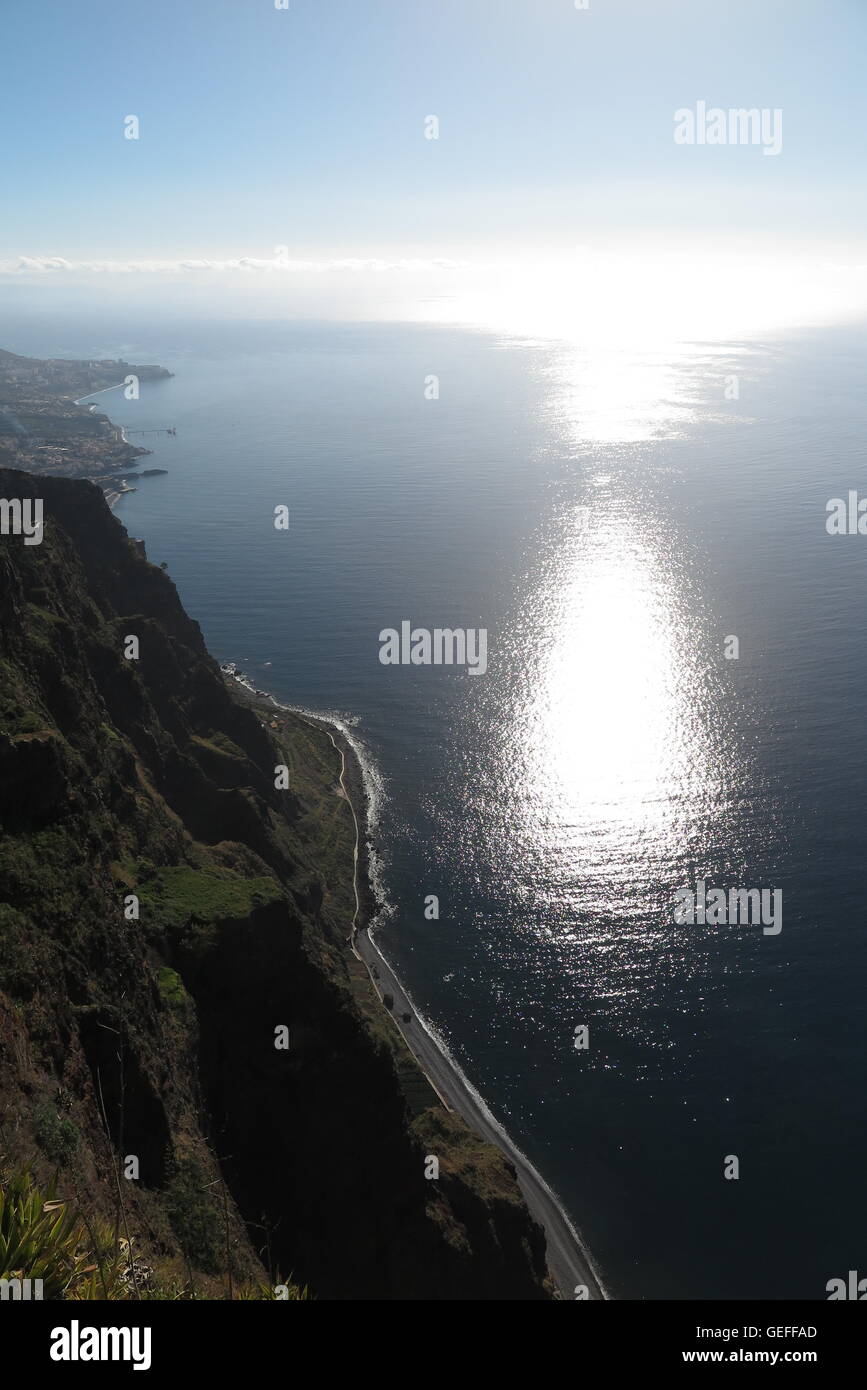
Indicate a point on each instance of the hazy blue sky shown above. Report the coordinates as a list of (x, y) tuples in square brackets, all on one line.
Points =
[(305, 128)]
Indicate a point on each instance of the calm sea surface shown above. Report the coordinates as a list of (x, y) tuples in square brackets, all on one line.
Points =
[(610, 520)]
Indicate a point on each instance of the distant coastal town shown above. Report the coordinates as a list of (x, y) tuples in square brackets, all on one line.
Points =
[(46, 427)]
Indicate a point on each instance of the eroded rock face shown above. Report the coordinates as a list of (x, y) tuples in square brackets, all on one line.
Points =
[(163, 908)]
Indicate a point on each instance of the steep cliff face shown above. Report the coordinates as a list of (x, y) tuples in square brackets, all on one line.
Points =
[(164, 908)]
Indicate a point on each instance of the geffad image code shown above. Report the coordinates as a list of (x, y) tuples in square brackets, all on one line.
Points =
[(433, 556)]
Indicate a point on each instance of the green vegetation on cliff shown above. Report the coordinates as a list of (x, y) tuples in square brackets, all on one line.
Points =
[(164, 908)]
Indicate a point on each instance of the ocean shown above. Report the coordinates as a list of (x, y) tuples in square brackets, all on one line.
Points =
[(613, 520)]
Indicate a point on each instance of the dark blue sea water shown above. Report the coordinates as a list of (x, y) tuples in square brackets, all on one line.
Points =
[(610, 519)]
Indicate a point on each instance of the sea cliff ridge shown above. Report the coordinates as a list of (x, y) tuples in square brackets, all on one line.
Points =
[(166, 911)]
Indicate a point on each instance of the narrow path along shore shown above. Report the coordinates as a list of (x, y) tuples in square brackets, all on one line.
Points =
[(569, 1263)]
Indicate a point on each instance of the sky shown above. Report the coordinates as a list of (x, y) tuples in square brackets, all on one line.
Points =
[(282, 163)]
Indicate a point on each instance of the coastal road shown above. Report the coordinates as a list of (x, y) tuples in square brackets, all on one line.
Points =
[(568, 1261)]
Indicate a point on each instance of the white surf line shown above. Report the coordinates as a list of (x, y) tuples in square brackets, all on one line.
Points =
[(357, 832), (316, 725), (353, 929), (505, 1141), (507, 1144)]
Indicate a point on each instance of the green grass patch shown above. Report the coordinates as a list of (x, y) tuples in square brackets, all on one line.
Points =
[(171, 988), (180, 894), (223, 744)]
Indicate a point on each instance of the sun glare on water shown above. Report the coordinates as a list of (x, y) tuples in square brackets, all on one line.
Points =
[(624, 299), (611, 736)]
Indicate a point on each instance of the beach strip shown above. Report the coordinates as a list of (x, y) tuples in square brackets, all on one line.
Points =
[(569, 1262)]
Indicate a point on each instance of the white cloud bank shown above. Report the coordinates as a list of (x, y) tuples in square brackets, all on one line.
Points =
[(640, 292), (24, 265)]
